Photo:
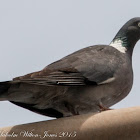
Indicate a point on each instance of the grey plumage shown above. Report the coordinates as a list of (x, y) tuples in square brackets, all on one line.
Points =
[(85, 81)]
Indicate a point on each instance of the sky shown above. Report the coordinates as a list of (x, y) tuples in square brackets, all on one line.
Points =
[(35, 33)]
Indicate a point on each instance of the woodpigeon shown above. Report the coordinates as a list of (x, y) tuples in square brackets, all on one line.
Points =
[(89, 80)]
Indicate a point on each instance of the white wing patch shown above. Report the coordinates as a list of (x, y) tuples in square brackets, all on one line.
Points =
[(107, 81), (117, 44)]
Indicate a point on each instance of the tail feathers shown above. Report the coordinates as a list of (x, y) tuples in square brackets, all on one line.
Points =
[(4, 86)]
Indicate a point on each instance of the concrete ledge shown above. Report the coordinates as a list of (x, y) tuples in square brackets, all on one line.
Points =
[(120, 124)]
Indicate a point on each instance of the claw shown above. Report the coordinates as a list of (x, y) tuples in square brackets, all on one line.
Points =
[(103, 108)]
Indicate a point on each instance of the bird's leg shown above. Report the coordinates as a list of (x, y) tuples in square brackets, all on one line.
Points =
[(103, 108)]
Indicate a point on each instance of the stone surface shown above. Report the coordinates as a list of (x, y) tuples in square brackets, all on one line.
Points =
[(120, 124)]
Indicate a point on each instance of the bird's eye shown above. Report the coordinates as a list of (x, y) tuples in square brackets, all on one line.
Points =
[(138, 24)]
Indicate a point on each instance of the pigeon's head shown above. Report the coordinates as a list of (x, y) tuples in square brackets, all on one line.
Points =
[(132, 28), (129, 34)]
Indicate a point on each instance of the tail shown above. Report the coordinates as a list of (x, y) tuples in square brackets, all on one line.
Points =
[(4, 86)]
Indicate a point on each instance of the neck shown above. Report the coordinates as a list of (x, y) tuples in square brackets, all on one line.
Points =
[(124, 42), (119, 45)]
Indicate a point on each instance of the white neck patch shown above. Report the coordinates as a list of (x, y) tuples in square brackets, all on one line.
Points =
[(117, 44)]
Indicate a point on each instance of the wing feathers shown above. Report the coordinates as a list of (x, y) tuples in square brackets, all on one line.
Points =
[(56, 78)]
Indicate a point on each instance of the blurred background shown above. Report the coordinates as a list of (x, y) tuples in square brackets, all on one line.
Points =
[(35, 33)]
